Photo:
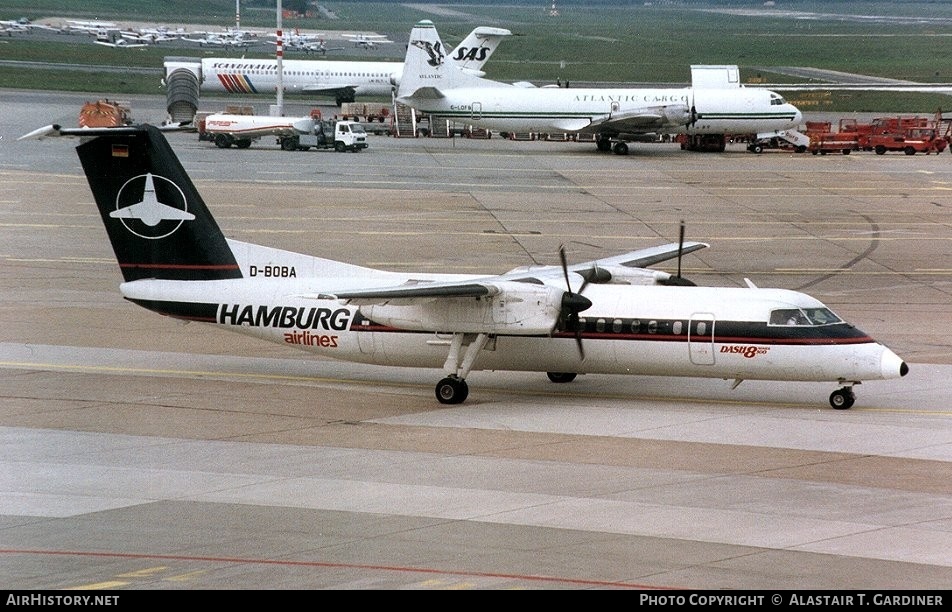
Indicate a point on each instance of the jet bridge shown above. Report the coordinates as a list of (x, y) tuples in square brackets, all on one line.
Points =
[(182, 80)]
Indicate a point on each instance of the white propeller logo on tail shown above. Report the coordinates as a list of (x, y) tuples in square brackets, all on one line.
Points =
[(149, 210)]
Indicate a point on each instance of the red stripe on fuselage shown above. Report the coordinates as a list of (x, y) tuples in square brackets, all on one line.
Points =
[(235, 83)]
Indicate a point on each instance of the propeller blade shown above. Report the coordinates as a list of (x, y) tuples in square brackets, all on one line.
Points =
[(680, 247), (573, 303), (565, 267), (678, 280)]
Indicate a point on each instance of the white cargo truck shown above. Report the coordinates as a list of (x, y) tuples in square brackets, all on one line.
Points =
[(327, 134)]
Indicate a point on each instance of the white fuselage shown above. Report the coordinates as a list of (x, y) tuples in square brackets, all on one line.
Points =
[(546, 110), (253, 76), (649, 330)]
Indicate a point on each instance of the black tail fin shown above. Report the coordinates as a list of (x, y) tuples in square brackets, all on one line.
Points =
[(156, 220)]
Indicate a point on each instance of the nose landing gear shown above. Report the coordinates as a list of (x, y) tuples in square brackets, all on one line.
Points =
[(843, 398)]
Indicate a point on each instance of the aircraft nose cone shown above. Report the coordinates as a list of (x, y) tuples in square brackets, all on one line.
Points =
[(797, 116), (892, 365)]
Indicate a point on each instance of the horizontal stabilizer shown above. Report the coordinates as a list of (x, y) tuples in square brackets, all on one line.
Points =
[(424, 93)]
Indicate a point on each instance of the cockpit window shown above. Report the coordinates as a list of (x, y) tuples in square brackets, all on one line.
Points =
[(776, 100), (822, 316), (804, 316)]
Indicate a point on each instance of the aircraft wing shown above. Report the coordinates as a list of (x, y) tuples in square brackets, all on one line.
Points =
[(121, 44), (344, 91), (835, 80), (642, 120), (415, 292), (944, 88), (643, 258), (522, 281), (631, 268)]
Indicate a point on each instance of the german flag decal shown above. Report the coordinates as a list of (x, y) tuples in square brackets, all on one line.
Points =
[(120, 150)]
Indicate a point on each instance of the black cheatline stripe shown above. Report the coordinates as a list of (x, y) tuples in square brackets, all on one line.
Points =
[(189, 311), (155, 266)]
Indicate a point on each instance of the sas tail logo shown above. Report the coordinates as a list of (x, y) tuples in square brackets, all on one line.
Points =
[(476, 54), (140, 211)]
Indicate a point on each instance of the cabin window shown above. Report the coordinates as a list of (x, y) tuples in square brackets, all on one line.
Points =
[(635, 326), (701, 327), (652, 327), (676, 328), (616, 326), (600, 325)]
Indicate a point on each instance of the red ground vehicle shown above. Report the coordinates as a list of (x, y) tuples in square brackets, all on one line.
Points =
[(105, 113), (823, 140), (911, 141), (833, 143), (910, 135)]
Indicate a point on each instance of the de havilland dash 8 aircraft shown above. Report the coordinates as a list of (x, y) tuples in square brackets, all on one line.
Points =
[(610, 316), (614, 116), (343, 80)]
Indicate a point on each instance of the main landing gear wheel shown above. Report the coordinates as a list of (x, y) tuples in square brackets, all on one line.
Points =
[(620, 148), (842, 399), (452, 390), (561, 377)]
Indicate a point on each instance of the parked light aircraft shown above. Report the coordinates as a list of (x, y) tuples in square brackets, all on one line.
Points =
[(19, 26), (344, 80), (11, 27), (612, 315), (87, 27), (230, 38), (153, 35), (367, 41), (305, 42), (614, 116), (120, 43)]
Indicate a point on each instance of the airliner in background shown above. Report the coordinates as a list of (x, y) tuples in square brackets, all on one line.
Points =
[(615, 116), (341, 80)]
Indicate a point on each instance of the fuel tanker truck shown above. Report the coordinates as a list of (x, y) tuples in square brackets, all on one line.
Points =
[(291, 133)]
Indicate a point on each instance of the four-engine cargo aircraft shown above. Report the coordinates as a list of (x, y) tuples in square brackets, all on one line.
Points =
[(609, 316), (432, 84)]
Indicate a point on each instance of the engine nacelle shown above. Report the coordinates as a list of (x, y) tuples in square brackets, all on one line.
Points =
[(632, 276), (676, 115)]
